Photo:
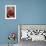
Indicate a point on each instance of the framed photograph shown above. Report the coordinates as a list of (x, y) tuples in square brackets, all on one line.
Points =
[(33, 32), (10, 11)]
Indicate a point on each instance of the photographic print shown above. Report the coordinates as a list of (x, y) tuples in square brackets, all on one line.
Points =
[(30, 33), (10, 11)]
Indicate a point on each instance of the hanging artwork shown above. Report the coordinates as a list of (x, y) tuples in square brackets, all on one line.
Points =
[(10, 11), (11, 37), (32, 32)]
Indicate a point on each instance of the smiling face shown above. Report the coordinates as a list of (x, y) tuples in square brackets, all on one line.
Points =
[(10, 12)]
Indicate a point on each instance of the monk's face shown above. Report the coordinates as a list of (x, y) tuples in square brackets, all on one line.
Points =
[(10, 12)]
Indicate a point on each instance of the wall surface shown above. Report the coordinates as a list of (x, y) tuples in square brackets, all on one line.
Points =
[(6, 26), (27, 12), (31, 11)]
